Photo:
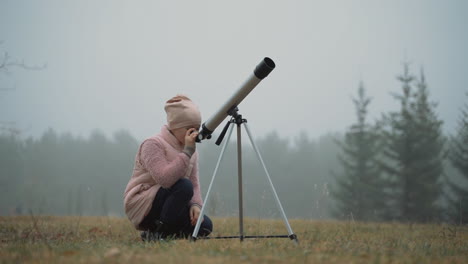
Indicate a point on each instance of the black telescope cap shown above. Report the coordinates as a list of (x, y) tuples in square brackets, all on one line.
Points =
[(264, 68)]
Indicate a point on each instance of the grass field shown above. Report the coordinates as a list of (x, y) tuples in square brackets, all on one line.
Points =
[(46, 239)]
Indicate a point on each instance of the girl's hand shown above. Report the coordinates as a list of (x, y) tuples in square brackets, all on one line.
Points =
[(190, 137), (194, 214)]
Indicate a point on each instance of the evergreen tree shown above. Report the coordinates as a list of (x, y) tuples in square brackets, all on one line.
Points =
[(398, 153), (429, 168), (358, 190), (458, 156), (414, 149)]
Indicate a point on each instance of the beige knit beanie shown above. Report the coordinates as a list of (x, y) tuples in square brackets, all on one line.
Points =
[(182, 112)]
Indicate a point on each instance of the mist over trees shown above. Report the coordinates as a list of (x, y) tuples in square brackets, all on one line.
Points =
[(63, 174), (414, 147), (383, 170), (394, 170), (458, 156), (358, 190)]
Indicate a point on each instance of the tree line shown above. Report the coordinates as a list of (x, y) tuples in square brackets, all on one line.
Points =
[(402, 167), (398, 168), (69, 175)]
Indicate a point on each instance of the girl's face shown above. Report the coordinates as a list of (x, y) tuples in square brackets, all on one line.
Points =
[(180, 133)]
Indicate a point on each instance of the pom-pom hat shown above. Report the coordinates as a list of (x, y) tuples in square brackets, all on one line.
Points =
[(182, 112)]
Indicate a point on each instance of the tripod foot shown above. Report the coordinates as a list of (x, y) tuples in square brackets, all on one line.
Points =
[(294, 237), (193, 239)]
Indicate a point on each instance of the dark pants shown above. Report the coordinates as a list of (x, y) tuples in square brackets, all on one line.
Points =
[(170, 206)]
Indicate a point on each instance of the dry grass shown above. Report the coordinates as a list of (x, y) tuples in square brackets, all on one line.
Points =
[(46, 239)]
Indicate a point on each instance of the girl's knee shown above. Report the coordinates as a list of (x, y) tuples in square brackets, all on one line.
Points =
[(183, 186)]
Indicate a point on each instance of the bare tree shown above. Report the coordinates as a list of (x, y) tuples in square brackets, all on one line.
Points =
[(6, 64)]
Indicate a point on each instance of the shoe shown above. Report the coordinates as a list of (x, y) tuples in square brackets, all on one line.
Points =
[(147, 236), (154, 234)]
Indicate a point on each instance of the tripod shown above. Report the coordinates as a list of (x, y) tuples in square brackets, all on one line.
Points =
[(238, 120)]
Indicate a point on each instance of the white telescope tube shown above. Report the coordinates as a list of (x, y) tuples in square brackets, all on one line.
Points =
[(261, 71)]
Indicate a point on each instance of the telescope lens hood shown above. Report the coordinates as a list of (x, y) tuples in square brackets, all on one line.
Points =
[(261, 71), (264, 68)]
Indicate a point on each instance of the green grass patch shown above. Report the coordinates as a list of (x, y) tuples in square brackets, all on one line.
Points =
[(47, 239)]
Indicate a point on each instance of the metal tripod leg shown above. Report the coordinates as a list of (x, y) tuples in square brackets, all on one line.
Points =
[(278, 203), (239, 179), (202, 213)]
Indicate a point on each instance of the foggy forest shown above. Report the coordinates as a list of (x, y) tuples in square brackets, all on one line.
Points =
[(352, 131), (403, 166)]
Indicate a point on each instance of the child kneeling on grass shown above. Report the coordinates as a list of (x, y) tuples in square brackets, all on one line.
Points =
[(163, 197)]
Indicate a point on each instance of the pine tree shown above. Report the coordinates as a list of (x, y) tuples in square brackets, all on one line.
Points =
[(430, 150), (358, 190), (414, 152), (458, 156)]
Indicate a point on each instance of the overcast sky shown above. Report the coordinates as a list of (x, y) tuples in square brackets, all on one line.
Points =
[(112, 64)]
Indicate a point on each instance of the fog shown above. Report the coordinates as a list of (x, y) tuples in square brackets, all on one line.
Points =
[(113, 64), (99, 72)]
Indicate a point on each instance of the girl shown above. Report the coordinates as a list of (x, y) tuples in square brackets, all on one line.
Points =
[(163, 197)]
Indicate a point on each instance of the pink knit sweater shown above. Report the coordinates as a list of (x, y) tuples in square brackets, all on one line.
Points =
[(159, 162)]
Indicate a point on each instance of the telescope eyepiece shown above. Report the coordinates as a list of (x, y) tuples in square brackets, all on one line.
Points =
[(204, 133), (264, 68)]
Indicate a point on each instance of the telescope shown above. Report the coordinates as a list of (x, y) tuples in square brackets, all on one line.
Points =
[(230, 108), (260, 72)]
